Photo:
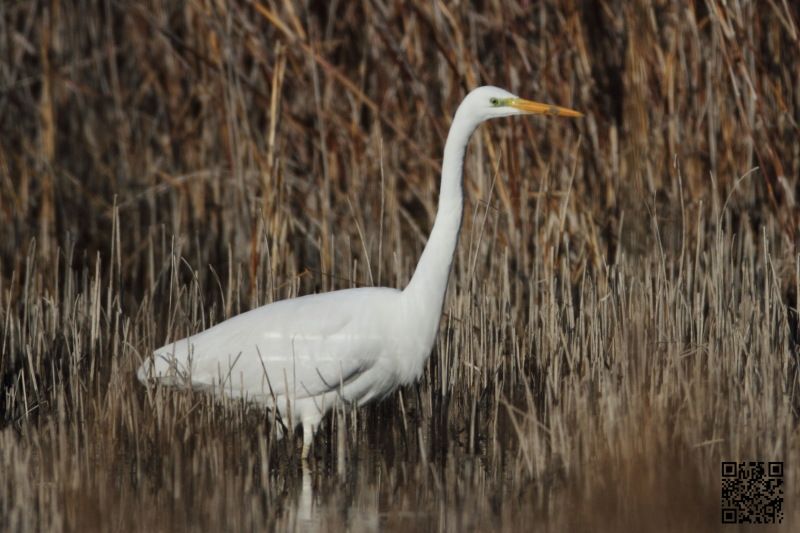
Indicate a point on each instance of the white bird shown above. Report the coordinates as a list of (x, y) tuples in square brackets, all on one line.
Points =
[(303, 355)]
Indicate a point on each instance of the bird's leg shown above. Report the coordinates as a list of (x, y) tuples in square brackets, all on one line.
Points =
[(309, 428)]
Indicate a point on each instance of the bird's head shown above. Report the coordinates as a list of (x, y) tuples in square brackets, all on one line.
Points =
[(488, 102)]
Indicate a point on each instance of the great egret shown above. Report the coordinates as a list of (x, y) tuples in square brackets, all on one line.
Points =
[(302, 355)]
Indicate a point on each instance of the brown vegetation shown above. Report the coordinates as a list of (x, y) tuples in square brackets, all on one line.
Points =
[(622, 314)]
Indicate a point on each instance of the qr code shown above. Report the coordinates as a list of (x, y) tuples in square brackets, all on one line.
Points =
[(752, 492)]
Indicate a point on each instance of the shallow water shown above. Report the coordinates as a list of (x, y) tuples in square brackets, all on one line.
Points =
[(195, 465)]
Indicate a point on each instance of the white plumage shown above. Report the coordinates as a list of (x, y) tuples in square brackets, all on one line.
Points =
[(303, 355)]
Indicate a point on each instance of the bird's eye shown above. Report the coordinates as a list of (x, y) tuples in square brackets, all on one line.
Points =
[(494, 101)]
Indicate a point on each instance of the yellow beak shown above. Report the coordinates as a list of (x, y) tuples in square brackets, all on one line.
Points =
[(535, 108)]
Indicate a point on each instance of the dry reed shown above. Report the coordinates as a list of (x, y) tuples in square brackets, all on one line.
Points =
[(623, 311)]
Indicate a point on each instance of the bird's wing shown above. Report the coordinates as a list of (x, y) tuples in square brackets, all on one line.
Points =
[(293, 348)]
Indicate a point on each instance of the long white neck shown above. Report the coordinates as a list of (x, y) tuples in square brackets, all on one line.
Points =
[(425, 292)]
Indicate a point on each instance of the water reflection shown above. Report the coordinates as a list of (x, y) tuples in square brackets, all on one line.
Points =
[(345, 498), (306, 519)]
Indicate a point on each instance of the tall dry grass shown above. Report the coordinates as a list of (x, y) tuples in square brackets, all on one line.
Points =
[(623, 311)]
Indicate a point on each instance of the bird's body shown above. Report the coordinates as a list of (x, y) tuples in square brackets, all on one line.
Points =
[(302, 355)]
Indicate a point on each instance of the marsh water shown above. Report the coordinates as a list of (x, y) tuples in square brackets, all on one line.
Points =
[(372, 471)]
